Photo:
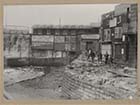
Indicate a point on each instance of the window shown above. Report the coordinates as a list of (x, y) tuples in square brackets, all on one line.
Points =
[(118, 32), (67, 47), (65, 32), (73, 32), (107, 34), (81, 32), (106, 48), (59, 39), (122, 51), (58, 54), (64, 54), (128, 15), (119, 20), (57, 32), (48, 32), (49, 54), (67, 39), (123, 38), (39, 31)]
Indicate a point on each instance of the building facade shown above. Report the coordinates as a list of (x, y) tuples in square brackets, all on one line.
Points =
[(119, 33), (90, 41), (16, 42), (16, 45), (59, 41)]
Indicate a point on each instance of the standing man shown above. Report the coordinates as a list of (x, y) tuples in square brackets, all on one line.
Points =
[(106, 58), (100, 57), (88, 53), (92, 55)]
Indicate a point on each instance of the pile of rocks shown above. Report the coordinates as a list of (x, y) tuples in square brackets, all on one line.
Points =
[(114, 79)]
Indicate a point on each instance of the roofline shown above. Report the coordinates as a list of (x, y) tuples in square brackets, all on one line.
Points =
[(66, 26)]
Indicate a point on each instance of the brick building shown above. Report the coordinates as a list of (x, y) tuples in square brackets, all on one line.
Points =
[(49, 41), (119, 32)]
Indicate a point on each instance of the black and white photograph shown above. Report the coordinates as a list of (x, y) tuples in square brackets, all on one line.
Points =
[(70, 51)]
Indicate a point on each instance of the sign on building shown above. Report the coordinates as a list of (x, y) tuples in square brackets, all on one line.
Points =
[(42, 38), (113, 22), (90, 36)]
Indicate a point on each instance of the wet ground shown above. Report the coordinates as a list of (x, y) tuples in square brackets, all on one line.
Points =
[(47, 86)]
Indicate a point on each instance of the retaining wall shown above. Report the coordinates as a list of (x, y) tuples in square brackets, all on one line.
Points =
[(18, 62)]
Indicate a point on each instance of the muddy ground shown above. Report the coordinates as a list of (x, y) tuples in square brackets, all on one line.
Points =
[(47, 86)]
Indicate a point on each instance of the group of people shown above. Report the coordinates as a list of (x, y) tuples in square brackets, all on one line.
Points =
[(91, 54)]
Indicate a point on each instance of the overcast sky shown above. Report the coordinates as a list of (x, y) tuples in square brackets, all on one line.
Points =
[(28, 15)]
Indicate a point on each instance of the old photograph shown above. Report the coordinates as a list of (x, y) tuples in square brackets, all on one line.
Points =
[(70, 51)]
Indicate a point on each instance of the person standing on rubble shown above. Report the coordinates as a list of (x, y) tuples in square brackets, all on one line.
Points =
[(100, 57), (106, 58), (91, 54)]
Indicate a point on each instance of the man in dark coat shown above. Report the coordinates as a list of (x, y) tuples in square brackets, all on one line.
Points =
[(106, 57), (91, 54)]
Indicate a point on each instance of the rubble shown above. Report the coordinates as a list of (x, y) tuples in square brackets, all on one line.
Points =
[(117, 80)]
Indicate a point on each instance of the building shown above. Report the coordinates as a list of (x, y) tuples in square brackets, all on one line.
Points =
[(132, 33), (90, 41), (106, 32), (119, 33), (16, 41), (16, 44), (49, 41)]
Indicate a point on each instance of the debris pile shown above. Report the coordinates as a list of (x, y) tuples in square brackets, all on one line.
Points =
[(118, 80)]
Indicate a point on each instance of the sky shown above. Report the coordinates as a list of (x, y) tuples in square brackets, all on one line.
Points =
[(72, 14)]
